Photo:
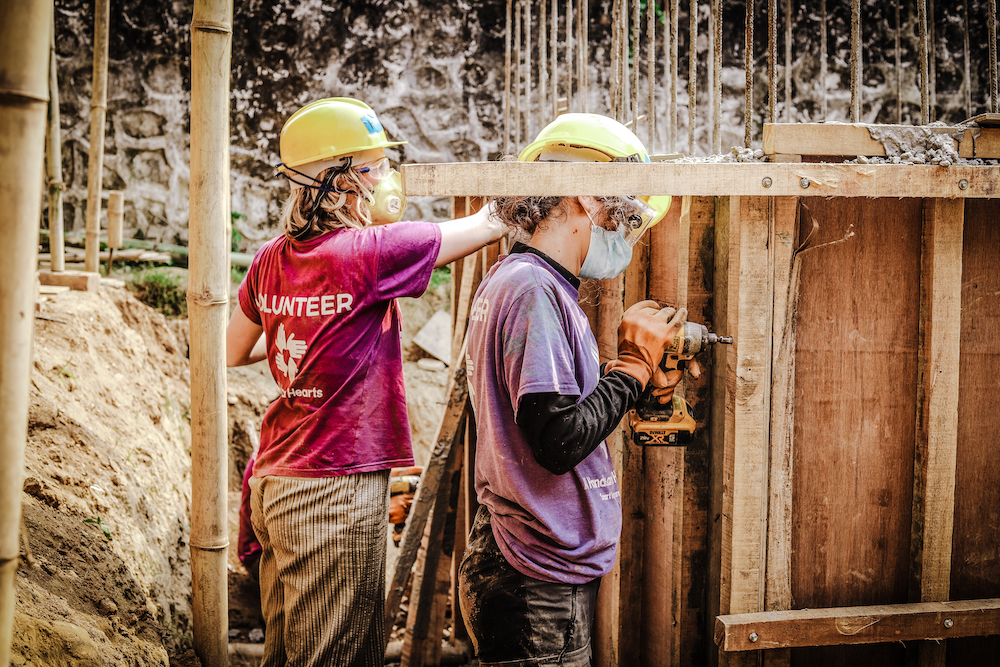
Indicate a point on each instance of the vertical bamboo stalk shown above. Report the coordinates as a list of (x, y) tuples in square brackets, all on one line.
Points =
[(53, 162), (899, 69), (527, 72), (635, 65), (555, 57), (692, 73), (717, 66), (582, 49), (823, 56), (506, 82), (931, 62), (98, 113), (856, 61), (208, 305), (748, 71), (674, 54), (543, 60), (993, 56), (651, 73), (788, 61), (772, 56), (24, 62), (967, 63), (520, 75), (922, 21)]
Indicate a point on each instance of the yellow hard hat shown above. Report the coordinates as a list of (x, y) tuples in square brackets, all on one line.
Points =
[(591, 137), (329, 128)]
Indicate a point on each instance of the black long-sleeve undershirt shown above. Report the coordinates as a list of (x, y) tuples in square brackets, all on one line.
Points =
[(562, 432)]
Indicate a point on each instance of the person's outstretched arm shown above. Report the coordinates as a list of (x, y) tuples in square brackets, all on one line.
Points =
[(463, 236)]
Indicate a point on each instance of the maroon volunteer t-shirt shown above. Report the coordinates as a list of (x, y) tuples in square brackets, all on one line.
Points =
[(328, 309)]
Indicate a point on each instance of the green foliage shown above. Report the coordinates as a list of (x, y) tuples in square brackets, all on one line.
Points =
[(104, 528), (237, 238), (161, 290), (440, 276), (237, 274)]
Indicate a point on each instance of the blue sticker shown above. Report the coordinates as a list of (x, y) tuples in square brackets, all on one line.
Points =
[(371, 122)]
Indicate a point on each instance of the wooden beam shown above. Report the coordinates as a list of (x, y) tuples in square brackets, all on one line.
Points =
[(700, 179), (856, 139), (746, 224), (858, 625)]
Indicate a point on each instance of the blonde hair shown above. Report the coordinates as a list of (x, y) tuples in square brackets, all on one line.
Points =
[(346, 208)]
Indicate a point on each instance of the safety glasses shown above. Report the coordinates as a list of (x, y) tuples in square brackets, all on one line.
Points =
[(376, 170), (637, 220)]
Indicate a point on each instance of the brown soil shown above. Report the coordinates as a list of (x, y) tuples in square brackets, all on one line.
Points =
[(107, 491)]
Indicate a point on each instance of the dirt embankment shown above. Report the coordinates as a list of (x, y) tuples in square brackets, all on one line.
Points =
[(107, 491)]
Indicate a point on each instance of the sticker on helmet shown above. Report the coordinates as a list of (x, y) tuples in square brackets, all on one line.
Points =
[(371, 122)]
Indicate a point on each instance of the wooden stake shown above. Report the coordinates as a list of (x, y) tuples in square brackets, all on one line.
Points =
[(208, 305), (53, 162), (98, 113), (24, 61)]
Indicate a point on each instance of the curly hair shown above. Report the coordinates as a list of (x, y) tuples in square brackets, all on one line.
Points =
[(528, 213), (337, 210)]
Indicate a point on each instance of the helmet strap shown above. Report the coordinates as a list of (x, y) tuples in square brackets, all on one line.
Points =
[(324, 186)]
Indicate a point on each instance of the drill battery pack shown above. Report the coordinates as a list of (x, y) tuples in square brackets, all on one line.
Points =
[(662, 425)]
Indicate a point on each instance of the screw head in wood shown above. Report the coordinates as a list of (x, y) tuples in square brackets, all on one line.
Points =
[(753, 637), (948, 622), (766, 182), (963, 184), (804, 183)]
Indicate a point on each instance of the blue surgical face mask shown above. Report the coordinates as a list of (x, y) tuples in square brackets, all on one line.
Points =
[(609, 254)]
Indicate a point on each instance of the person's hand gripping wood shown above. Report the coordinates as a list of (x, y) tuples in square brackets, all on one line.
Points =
[(644, 333)]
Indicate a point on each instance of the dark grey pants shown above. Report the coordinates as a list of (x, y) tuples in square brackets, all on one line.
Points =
[(517, 621)]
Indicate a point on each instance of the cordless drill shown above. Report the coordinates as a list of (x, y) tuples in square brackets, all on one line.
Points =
[(656, 424)]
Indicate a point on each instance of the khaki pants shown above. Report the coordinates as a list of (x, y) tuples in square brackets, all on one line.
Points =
[(322, 571)]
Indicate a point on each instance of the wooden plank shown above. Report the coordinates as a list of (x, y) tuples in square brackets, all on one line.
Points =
[(975, 556), (744, 485), (659, 631), (701, 179), (858, 625), (855, 381), (855, 139), (778, 579), (937, 441), (471, 277)]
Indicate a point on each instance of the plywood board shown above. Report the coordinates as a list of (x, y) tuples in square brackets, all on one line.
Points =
[(701, 179), (975, 561), (855, 386)]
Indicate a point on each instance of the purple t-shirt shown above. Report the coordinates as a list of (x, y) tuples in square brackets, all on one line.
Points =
[(528, 335), (328, 310)]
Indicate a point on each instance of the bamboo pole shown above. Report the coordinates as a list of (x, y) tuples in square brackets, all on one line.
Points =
[(24, 62), (208, 305), (98, 114), (53, 162)]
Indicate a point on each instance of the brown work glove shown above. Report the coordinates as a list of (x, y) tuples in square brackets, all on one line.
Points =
[(645, 331), (662, 384)]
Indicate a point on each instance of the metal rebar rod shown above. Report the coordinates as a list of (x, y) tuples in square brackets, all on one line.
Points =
[(651, 73), (666, 76), (922, 23), (788, 61), (772, 57), (583, 49), (931, 62), (823, 57), (748, 71), (569, 55), (856, 61), (968, 63), (520, 75), (636, 50), (554, 40), (899, 71), (692, 73), (710, 77), (506, 83), (993, 56), (624, 46), (674, 55), (615, 53), (543, 60), (717, 66), (527, 72)]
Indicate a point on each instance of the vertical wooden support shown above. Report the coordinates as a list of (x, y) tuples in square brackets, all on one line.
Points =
[(208, 304), (24, 27), (53, 163), (742, 244), (778, 579), (98, 113), (937, 437)]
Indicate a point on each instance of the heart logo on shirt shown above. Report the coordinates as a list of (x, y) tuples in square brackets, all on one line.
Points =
[(296, 349)]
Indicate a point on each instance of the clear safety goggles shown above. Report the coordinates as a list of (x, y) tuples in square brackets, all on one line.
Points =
[(637, 220), (377, 170)]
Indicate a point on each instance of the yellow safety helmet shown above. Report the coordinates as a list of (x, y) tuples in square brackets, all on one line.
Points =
[(591, 137), (327, 129)]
